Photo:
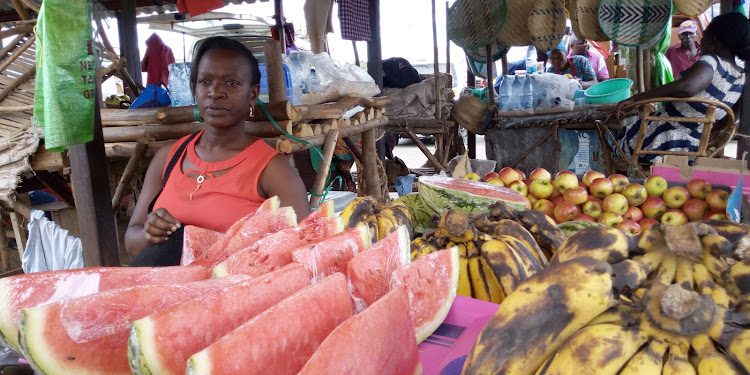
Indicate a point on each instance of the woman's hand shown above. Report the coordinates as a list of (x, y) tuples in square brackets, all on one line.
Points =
[(159, 225), (620, 112)]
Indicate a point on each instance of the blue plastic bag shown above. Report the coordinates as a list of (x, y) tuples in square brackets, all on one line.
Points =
[(154, 95)]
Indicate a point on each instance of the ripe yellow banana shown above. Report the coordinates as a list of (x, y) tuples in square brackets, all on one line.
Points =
[(629, 276), (677, 361), (420, 247), (530, 263), (684, 274), (464, 274), (596, 350), (711, 361), (358, 211), (479, 286), (604, 243), (540, 315), (648, 361), (739, 347), (542, 227), (398, 214), (511, 228), (385, 227), (740, 275), (496, 291), (667, 270), (620, 314), (712, 257), (505, 263), (650, 260)]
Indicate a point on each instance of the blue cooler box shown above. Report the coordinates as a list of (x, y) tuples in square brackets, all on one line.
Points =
[(264, 84)]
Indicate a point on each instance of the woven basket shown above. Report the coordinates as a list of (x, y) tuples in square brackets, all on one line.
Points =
[(587, 13), (516, 30), (469, 111), (573, 17), (692, 8), (634, 22), (480, 54), (546, 23), (476, 23)]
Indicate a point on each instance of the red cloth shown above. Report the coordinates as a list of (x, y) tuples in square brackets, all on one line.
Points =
[(196, 7), (157, 59), (220, 201)]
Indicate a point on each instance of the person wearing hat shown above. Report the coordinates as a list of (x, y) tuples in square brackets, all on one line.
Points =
[(577, 66), (684, 54), (581, 47)]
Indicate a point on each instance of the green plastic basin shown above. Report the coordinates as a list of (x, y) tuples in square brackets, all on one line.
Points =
[(609, 91)]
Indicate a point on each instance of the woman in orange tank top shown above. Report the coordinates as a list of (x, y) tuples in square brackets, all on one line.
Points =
[(223, 173)]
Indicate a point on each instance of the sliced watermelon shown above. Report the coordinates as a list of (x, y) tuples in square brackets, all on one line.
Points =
[(326, 209), (281, 339), (380, 340), (196, 241), (275, 250), (161, 343), (432, 282), (250, 231), (89, 335), (28, 290), (369, 273), (444, 194), (334, 253)]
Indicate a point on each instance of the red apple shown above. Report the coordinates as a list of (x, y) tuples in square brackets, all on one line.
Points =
[(655, 186), (566, 211), (647, 223), (633, 213), (527, 201), (716, 215), (601, 187), (495, 181), (490, 175), (565, 181), (676, 196), (584, 217), (695, 209), (509, 175), (698, 188), (575, 195), (581, 185), (557, 199), (520, 173), (540, 174), (615, 203), (527, 182), (590, 176), (593, 208), (619, 182), (635, 194), (545, 206), (653, 207), (519, 187), (674, 217), (558, 174), (630, 227), (471, 176), (541, 189), (717, 200), (610, 219)]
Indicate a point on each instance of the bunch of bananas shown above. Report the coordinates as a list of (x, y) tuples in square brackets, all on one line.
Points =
[(496, 255), (382, 220), (673, 300)]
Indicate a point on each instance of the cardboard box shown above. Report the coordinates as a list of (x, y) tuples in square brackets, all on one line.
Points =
[(715, 171)]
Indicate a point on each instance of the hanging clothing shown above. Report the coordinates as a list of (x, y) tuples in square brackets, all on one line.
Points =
[(196, 7), (157, 60), (318, 15), (726, 86), (355, 19)]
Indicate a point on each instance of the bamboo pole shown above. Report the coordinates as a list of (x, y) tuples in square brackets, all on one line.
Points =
[(130, 170), (22, 12), (31, 5), (17, 82), (22, 29), (13, 44), (324, 167), (17, 53), (17, 108), (4, 249)]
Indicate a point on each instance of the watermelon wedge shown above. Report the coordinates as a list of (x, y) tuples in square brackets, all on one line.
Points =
[(326, 209), (281, 339), (334, 253), (196, 241), (28, 290), (369, 273), (380, 340), (89, 335), (444, 194), (162, 343), (275, 250), (245, 233), (432, 282)]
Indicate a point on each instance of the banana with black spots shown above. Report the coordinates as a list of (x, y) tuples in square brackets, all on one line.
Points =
[(362, 211), (649, 361), (399, 215), (620, 314), (530, 263), (505, 263), (629, 275), (740, 275), (679, 311), (677, 360), (511, 228), (464, 274), (604, 243), (711, 361)]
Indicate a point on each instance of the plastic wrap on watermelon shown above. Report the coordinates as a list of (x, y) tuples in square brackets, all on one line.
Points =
[(445, 193), (275, 250), (196, 241), (334, 253)]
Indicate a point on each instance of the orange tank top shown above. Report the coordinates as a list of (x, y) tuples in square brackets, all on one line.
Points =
[(220, 201)]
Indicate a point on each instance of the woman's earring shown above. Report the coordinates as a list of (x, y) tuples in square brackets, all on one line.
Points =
[(251, 111)]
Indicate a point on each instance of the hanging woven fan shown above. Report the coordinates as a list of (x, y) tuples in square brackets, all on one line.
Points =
[(588, 20), (546, 23), (573, 17), (480, 54), (692, 8), (476, 23), (516, 30), (634, 22)]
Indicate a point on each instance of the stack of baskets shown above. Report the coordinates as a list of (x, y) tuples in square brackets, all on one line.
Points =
[(469, 111)]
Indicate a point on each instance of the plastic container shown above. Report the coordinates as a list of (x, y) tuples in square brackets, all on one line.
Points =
[(609, 91), (531, 59), (264, 84), (527, 96), (505, 93), (311, 83)]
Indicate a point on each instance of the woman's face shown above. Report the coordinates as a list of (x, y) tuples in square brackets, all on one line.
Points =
[(223, 89), (557, 59)]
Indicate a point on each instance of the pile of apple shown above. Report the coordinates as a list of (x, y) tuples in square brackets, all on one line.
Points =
[(614, 200)]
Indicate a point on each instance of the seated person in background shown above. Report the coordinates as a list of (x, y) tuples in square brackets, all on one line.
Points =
[(684, 54), (577, 66), (580, 47), (715, 76), (223, 174)]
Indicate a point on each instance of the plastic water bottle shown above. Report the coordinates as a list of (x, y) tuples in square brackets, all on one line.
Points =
[(527, 97), (531, 60), (504, 95), (312, 83)]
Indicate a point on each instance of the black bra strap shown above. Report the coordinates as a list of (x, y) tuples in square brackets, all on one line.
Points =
[(172, 162)]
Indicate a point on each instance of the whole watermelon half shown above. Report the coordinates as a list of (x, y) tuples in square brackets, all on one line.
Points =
[(445, 193)]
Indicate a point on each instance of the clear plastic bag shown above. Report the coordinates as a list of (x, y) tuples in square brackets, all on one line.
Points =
[(179, 85), (555, 90)]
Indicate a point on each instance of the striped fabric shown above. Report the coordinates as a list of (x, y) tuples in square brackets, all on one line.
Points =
[(726, 86)]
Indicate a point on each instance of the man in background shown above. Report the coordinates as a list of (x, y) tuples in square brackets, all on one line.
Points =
[(684, 54), (581, 47)]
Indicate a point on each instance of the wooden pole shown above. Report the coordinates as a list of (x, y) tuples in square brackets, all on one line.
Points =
[(22, 29), (471, 138), (13, 44), (356, 152), (4, 250), (22, 12), (356, 53), (374, 52), (130, 170), (424, 150), (447, 45), (639, 68), (128, 32), (17, 82), (287, 146), (180, 115), (324, 167), (17, 53), (490, 75), (504, 65), (278, 7), (370, 164), (436, 67), (275, 71)]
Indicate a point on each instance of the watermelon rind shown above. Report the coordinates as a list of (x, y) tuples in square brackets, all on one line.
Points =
[(443, 199), (220, 270), (570, 227), (199, 364), (6, 324), (31, 334), (428, 328), (139, 350)]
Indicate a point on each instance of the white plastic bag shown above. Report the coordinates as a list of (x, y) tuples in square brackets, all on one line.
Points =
[(50, 247), (335, 79), (557, 90)]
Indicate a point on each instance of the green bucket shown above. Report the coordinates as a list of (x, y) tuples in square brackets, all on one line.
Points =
[(609, 91)]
